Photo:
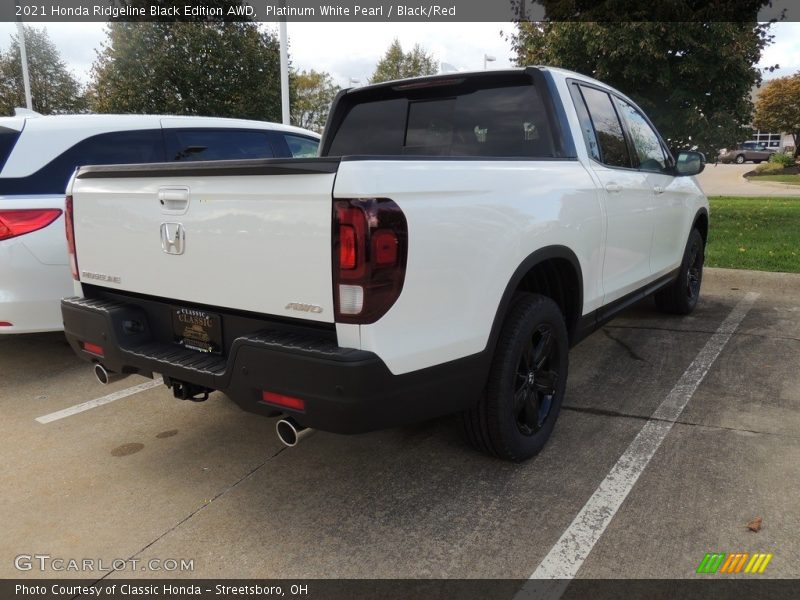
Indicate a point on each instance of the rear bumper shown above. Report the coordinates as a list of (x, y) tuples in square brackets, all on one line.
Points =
[(345, 390)]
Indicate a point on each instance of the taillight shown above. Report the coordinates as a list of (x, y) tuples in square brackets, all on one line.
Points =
[(19, 222), (370, 246), (70, 226)]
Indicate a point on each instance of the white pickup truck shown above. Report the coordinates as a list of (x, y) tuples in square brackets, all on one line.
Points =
[(456, 235)]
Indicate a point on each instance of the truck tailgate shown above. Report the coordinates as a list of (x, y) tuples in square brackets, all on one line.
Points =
[(245, 235)]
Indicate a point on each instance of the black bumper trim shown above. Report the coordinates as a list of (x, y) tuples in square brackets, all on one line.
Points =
[(345, 390)]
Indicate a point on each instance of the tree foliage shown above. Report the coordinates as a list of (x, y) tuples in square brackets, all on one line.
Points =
[(397, 64), (209, 68), (778, 107), (693, 79), (312, 94), (54, 90)]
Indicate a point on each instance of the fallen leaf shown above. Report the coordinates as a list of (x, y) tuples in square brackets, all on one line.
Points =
[(755, 524)]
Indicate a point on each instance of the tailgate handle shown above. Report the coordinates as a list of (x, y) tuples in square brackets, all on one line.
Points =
[(174, 200)]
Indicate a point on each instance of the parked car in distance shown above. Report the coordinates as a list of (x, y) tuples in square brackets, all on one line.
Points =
[(752, 151), (38, 154), (456, 236)]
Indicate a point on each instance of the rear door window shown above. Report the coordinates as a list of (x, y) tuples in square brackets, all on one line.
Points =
[(607, 127), (500, 121), (116, 148), (217, 144)]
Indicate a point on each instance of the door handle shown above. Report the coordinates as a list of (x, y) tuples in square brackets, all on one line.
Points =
[(658, 189), (173, 200), (613, 187)]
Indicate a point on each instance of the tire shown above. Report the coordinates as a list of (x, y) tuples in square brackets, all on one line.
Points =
[(680, 297), (527, 381), (740, 159)]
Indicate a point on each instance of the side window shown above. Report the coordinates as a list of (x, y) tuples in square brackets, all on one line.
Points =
[(117, 148), (301, 147), (587, 129), (216, 144), (613, 148), (645, 141)]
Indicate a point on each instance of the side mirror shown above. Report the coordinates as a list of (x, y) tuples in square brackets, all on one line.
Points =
[(690, 163)]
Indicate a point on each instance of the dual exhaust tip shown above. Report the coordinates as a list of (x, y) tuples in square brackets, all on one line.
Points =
[(289, 431)]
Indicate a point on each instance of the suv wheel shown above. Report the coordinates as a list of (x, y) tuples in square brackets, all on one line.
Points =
[(526, 385), (740, 159), (680, 297)]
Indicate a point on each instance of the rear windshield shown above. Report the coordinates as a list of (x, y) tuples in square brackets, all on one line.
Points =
[(8, 137), (507, 120)]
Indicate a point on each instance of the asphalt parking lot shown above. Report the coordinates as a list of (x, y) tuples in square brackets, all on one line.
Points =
[(150, 477)]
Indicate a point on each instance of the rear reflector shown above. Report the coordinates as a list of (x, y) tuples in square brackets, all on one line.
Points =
[(283, 401), (92, 348), (19, 222)]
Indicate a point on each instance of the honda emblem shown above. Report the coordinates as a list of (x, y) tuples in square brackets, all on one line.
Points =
[(172, 238)]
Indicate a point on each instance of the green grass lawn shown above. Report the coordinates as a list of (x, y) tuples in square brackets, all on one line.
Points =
[(762, 234), (793, 179)]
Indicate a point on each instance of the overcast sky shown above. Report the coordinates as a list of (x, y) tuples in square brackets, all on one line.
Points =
[(351, 50)]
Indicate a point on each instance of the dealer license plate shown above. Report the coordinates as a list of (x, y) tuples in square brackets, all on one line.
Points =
[(197, 329)]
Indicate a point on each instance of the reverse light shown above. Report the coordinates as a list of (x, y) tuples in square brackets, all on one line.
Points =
[(92, 349), (15, 222), (69, 223), (283, 401), (370, 239), (351, 299)]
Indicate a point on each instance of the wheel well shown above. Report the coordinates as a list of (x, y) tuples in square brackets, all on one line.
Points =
[(557, 279), (701, 224)]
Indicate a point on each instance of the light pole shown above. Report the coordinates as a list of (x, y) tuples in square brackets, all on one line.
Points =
[(487, 58), (23, 55), (284, 72), (354, 81)]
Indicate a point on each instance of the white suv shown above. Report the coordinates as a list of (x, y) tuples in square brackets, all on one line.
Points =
[(38, 156)]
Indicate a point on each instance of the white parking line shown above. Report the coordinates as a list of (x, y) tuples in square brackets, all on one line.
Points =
[(570, 551), (79, 408)]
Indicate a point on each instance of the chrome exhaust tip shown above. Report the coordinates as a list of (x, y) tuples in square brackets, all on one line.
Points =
[(105, 376), (290, 432)]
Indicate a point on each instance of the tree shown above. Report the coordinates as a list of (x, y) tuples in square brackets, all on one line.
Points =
[(778, 107), (209, 68), (693, 79), (312, 94), (397, 64), (53, 88)]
